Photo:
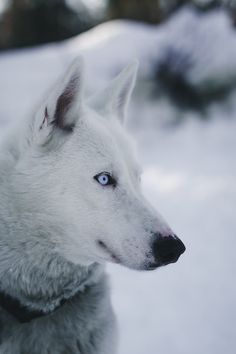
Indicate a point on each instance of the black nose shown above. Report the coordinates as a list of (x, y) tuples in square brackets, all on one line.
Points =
[(167, 249)]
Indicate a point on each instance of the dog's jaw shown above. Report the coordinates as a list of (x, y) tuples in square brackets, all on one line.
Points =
[(113, 257)]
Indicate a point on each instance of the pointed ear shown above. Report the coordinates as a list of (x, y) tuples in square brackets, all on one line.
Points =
[(60, 111), (114, 99)]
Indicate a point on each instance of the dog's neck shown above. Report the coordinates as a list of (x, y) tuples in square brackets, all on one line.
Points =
[(24, 307), (31, 268)]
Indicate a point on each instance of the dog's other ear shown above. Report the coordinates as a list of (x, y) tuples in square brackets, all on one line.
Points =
[(61, 109), (114, 99)]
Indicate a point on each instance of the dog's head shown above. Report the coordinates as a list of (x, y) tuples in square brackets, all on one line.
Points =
[(84, 170)]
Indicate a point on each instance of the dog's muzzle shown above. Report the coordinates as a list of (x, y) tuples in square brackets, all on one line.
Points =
[(167, 250)]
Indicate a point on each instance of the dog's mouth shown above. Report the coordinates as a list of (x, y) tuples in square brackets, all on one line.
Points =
[(112, 255)]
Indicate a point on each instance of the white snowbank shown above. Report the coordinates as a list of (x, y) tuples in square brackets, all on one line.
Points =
[(189, 175)]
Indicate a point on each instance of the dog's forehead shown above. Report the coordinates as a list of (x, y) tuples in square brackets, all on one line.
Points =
[(108, 140)]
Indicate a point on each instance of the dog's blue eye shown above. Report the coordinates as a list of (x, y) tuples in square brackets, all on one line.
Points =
[(105, 179)]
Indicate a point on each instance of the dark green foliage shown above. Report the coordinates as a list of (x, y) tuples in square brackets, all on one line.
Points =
[(32, 22), (27, 23), (148, 10), (171, 79)]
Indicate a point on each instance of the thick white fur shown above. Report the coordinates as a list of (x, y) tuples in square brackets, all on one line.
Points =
[(58, 225)]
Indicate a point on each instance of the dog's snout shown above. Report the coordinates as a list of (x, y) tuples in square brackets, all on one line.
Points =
[(167, 249)]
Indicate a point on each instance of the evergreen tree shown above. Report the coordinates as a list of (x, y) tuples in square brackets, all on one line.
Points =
[(31, 22)]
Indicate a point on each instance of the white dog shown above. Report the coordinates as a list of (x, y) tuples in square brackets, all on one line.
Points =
[(70, 200)]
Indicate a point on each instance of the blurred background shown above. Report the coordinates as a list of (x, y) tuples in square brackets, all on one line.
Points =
[(183, 115)]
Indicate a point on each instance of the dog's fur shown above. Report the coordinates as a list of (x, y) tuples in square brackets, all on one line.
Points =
[(58, 225)]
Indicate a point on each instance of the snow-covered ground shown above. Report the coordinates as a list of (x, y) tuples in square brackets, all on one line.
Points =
[(189, 174)]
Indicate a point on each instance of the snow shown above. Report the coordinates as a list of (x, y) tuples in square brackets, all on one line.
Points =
[(189, 173), (193, 37), (189, 307), (207, 42)]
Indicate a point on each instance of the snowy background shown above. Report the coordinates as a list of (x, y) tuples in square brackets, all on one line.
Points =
[(188, 155)]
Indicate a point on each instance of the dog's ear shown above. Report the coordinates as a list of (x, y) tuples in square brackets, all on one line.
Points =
[(61, 109), (114, 99)]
